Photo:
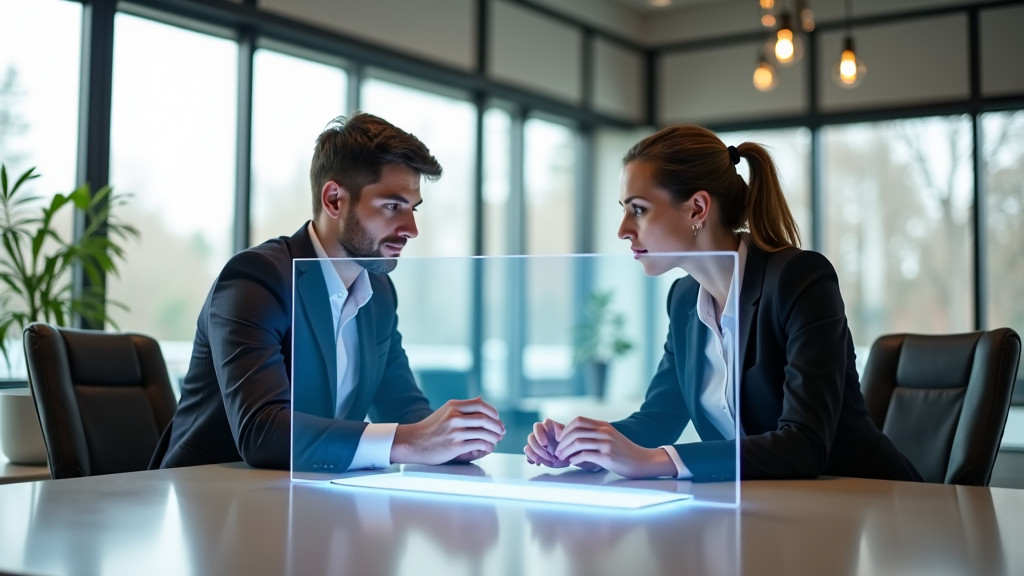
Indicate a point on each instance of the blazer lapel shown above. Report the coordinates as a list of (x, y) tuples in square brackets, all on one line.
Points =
[(750, 296), (313, 305)]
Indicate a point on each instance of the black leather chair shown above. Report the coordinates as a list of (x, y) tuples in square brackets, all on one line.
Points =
[(103, 398), (943, 399)]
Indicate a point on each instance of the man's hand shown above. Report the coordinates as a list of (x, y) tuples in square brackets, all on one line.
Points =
[(460, 430)]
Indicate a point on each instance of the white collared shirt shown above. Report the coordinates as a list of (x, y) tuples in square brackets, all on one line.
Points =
[(374, 450), (717, 389)]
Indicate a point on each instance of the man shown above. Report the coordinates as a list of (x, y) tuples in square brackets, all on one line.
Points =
[(236, 399)]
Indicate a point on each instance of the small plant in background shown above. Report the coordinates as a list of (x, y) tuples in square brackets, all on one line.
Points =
[(36, 262), (600, 336), (599, 340)]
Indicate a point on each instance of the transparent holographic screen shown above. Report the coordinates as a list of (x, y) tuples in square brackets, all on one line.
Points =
[(506, 327)]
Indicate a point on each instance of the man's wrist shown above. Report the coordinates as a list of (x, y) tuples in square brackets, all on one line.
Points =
[(400, 446)]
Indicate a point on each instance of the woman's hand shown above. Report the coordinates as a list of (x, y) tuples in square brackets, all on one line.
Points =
[(595, 444), (542, 442)]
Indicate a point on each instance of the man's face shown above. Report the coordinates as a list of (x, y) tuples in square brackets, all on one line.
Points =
[(383, 220)]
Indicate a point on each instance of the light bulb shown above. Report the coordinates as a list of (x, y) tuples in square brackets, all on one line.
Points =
[(806, 20), (784, 48), (787, 48), (765, 78), (805, 15), (768, 13), (849, 71)]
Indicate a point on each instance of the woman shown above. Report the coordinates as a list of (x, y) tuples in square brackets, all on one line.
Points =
[(801, 410)]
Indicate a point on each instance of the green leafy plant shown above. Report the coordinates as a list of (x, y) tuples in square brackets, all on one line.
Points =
[(599, 337), (36, 262)]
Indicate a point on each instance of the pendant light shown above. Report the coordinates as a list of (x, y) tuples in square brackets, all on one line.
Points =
[(765, 77), (805, 15), (768, 13), (850, 70), (787, 49)]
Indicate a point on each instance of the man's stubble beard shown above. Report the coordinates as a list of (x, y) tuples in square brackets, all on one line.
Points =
[(358, 243)]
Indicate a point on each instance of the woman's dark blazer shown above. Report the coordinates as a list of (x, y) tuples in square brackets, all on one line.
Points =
[(801, 407)]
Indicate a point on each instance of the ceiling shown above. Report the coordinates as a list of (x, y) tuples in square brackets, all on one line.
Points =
[(645, 6)]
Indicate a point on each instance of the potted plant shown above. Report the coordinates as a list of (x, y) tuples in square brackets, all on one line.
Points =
[(37, 263), (599, 340)]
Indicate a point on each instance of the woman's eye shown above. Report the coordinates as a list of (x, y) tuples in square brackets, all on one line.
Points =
[(638, 210)]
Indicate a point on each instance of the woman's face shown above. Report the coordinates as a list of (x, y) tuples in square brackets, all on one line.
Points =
[(652, 221)]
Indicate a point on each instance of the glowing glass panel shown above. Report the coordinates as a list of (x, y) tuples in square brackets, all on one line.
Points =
[(608, 342), (574, 494)]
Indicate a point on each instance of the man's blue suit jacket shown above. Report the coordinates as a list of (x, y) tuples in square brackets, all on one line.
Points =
[(236, 399), (801, 407)]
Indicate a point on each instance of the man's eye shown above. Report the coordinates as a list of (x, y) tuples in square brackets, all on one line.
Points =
[(391, 206)]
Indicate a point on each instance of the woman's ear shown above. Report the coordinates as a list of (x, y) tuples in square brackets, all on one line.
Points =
[(701, 204)]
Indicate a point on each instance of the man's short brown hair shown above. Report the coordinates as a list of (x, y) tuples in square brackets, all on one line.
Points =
[(352, 151)]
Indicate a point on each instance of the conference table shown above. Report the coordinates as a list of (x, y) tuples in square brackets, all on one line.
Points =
[(231, 519)]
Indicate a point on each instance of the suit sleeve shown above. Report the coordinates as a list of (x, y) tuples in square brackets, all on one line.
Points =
[(663, 414), (249, 318), (806, 312)]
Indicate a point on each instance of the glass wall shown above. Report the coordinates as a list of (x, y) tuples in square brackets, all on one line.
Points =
[(897, 196), (173, 149), (898, 202), (287, 116)]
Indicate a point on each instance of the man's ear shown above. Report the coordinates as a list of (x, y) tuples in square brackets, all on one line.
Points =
[(334, 199)]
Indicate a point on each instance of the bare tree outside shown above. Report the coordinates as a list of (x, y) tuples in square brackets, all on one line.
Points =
[(898, 206), (1003, 177)]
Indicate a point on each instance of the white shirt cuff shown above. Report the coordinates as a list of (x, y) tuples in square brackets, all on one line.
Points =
[(682, 472), (374, 450)]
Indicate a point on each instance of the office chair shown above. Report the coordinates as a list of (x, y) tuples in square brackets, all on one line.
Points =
[(943, 399), (103, 398)]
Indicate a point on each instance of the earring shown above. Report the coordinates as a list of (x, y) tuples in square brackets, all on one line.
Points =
[(696, 227)]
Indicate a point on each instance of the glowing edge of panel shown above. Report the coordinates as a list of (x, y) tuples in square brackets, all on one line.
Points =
[(548, 492)]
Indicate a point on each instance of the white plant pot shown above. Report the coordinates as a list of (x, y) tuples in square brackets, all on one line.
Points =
[(21, 438)]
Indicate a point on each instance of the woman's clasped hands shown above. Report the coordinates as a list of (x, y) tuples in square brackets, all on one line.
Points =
[(594, 445)]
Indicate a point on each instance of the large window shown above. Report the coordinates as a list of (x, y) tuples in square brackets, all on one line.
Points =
[(293, 100), (898, 200), (550, 174), (1003, 178), (447, 126), (173, 149), (39, 108)]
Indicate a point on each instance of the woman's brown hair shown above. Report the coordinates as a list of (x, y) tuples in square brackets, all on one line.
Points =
[(686, 158)]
